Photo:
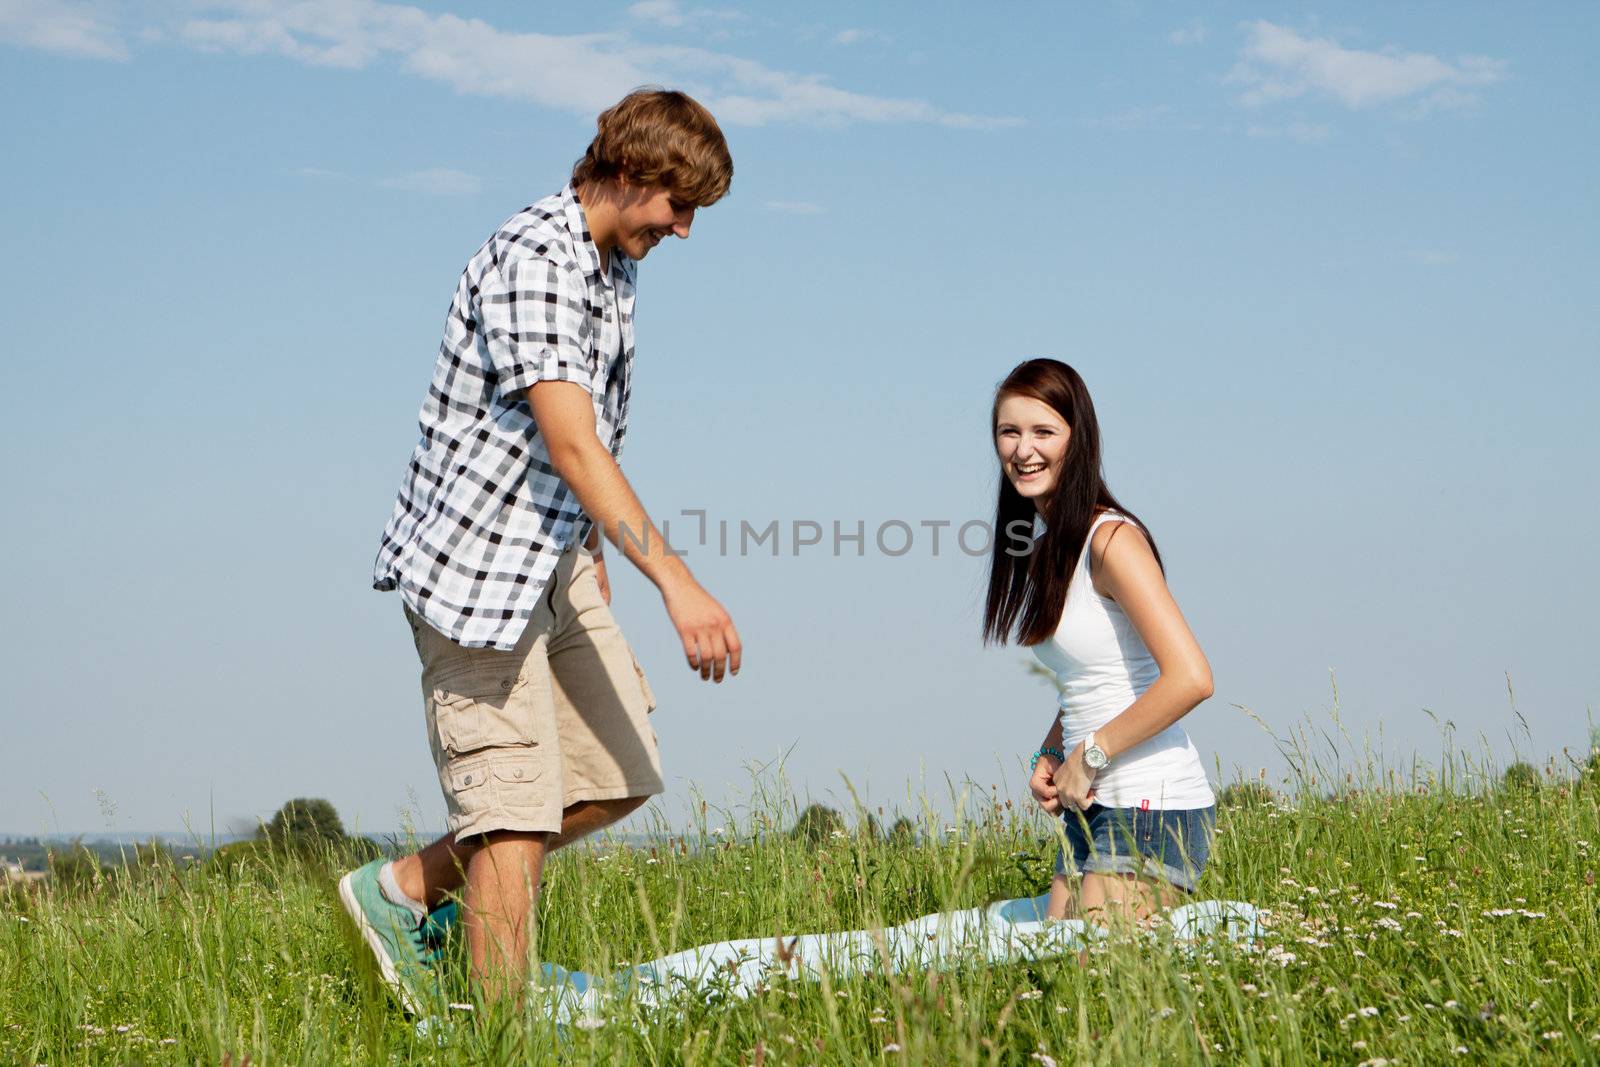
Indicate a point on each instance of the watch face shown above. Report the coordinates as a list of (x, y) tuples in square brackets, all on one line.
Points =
[(1095, 757)]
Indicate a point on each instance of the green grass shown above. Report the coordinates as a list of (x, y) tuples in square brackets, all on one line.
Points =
[(1425, 922)]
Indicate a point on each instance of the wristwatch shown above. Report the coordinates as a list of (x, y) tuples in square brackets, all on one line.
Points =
[(1094, 757)]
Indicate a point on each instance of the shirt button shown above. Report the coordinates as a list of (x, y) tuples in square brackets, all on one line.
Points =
[(517, 773), (467, 780), (505, 686)]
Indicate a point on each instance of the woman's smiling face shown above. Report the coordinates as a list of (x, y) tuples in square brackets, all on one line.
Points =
[(1030, 438)]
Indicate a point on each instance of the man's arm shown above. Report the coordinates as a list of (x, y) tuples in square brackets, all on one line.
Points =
[(564, 413)]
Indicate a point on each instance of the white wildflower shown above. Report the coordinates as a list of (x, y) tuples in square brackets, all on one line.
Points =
[(1367, 1013)]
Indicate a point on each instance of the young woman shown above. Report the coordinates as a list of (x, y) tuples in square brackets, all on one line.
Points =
[(1089, 596)]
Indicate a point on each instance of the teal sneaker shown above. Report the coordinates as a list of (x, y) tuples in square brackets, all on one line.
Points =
[(437, 926), (406, 954)]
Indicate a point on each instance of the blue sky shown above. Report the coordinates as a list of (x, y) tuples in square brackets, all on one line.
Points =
[(1330, 272)]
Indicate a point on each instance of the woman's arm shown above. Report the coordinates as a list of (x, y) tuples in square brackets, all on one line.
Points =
[(1125, 569), (1041, 783)]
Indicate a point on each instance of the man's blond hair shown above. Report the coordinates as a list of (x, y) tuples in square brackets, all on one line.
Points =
[(660, 137)]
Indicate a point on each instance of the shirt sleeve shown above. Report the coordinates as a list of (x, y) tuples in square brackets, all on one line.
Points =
[(535, 324)]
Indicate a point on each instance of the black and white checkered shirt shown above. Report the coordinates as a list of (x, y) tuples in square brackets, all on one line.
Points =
[(482, 515)]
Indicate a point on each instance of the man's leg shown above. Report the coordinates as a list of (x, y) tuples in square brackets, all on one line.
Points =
[(431, 875), (585, 817), (502, 888)]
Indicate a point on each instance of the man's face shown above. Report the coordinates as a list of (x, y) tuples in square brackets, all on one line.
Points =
[(646, 214)]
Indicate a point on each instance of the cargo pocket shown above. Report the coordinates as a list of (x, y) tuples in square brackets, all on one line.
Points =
[(480, 709), (516, 785), (467, 788)]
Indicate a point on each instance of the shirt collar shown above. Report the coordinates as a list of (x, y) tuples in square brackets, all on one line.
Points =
[(583, 241)]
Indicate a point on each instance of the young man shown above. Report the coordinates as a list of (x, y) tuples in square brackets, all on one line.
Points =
[(536, 708)]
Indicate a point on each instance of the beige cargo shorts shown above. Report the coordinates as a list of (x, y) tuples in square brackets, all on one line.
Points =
[(520, 736)]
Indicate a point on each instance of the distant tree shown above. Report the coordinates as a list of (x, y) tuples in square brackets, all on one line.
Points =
[(74, 867), (1520, 777), (1246, 795), (817, 823), (902, 830), (152, 855), (305, 820)]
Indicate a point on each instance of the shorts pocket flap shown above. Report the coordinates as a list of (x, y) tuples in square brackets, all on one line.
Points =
[(477, 684), (517, 769), (467, 774)]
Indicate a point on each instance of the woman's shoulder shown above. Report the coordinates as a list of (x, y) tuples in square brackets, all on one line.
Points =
[(1113, 527)]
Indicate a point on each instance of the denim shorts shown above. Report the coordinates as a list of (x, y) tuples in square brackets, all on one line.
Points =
[(1169, 846)]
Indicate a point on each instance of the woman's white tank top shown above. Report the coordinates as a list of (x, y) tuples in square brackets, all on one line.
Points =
[(1102, 666)]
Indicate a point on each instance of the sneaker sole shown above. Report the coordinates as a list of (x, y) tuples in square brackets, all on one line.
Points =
[(369, 934)]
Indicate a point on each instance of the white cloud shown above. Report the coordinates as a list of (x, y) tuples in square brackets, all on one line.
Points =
[(67, 29), (674, 16), (1194, 33), (581, 73), (1306, 132), (793, 207), (1279, 64), (661, 12), (857, 35), (441, 181)]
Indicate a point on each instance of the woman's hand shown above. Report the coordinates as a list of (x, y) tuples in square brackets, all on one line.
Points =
[(1042, 784), (1074, 782)]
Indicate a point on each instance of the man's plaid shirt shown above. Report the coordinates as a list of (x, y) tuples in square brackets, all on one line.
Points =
[(482, 515)]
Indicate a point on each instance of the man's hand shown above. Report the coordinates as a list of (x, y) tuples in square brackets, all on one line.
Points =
[(592, 543), (1074, 781), (709, 640), (1043, 786)]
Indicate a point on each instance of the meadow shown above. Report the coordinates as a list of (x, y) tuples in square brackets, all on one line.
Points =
[(1447, 914)]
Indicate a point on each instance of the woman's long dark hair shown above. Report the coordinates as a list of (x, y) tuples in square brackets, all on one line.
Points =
[(1027, 590)]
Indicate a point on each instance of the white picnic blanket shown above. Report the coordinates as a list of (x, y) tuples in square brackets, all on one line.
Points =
[(1007, 931)]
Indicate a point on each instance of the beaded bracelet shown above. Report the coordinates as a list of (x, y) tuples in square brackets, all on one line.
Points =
[(1046, 751)]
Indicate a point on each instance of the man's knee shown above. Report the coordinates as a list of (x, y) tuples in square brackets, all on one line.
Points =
[(628, 805), (531, 843)]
